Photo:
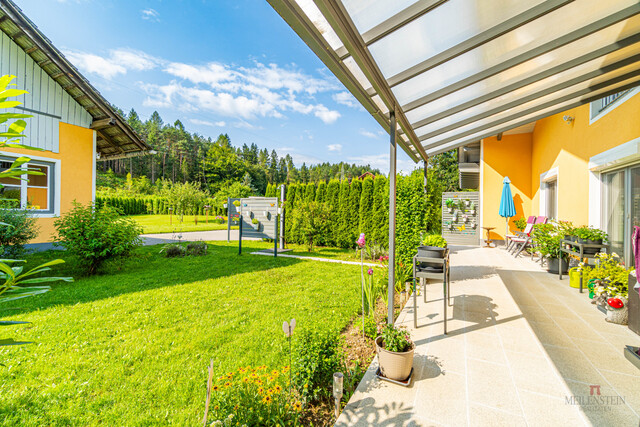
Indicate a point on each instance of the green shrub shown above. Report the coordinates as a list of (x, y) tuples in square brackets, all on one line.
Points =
[(435, 240), (17, 228), (318, 356), (96, 235), (370, 327), (355, 192), (396, 339), (311, 219), (197, 248), (381, 211), (366, 208), (173, 250)]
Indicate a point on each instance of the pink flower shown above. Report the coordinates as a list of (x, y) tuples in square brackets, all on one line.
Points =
[(370, 271), (361, 241)]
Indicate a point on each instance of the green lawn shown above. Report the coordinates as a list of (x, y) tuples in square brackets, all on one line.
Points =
[(160, 223), (131, 347)]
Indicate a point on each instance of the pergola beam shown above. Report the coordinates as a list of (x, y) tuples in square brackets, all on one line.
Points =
[(450, 146), (336, 15), (526, 56), (629, 41), (300, 23), (537, 95), (478, 40), (391, 24)]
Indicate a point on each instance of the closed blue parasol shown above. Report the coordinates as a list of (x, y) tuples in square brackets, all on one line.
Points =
[(507, 208)]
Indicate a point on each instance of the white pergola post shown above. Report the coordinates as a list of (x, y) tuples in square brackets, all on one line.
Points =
[(392, 214)]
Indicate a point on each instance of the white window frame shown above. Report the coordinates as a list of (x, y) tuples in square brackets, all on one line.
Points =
[(55, 180), (545, 177), (609, 108)]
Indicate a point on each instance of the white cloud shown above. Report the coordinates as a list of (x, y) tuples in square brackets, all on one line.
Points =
[(326, 115), (381, 161), (150, 15), (207, 123), (335, 147), (119, 61), (368, 134), (345, 98)]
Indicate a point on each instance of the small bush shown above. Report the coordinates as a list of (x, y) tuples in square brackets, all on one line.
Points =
[(520, 223), (20, 228), (435, 240), (96, 235), (197, 248), (370, 326), (173, 250), (319, 356)]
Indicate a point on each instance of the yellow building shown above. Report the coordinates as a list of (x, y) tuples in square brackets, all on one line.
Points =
[(581, 165), (71, 123)]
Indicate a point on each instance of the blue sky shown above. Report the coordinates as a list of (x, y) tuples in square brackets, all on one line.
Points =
[(220, 67)]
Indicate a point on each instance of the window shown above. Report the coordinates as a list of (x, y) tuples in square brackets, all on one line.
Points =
[(604, 105), (551, 195), (35, 192)]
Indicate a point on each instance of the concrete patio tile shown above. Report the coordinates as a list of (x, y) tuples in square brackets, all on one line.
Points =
[(550, 333), (535, 373), (578, 329), (485, 347), (442, 399), (604, 356), (482, 416), (519, 339), (613, 411), (559, 311), (541, 410), (627, 386), (572, 365), (491, 385), (536, 314)]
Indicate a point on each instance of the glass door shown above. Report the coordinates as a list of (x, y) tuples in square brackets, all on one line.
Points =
[(613, 210), (552, 199), (634, 214)]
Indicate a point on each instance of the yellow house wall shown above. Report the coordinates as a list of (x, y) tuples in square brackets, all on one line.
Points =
[(76, 171), (509, 157), (553, 144)]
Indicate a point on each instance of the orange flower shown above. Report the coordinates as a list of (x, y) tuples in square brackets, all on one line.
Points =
[(297, 406), (245, 380), (267, 399), (260, 390), (227, 384), (278, 389), (216, 388)]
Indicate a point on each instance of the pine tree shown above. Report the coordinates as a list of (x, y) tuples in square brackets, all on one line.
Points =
[(332, 198), (366, 208), (343, 239), (289, 210), (320, 192), (380, 211)]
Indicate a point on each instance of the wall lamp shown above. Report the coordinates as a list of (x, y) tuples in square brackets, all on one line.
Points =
[(568, 119)]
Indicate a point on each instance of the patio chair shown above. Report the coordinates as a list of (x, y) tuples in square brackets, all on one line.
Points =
[(527, 230), (439, 269), (521, 243)]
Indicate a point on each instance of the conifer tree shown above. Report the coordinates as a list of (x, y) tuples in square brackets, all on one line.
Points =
[(355, 191), (366, 208), (380, 211), (332, 199), (320, 192), (343, 236), (310, 192), (292, 193)]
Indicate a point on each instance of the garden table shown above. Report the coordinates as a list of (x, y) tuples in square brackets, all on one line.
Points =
[(442, 273), (577, 249), (488, 241)]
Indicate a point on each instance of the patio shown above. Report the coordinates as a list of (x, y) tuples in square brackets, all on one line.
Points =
[(521, 345)]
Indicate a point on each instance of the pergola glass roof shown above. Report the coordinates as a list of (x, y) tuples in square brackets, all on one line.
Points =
[(457, 71)]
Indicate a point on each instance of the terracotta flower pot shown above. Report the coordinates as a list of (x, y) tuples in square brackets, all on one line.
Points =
[(395, 366)]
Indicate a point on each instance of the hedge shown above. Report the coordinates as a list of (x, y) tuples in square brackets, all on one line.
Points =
[(149, 205)]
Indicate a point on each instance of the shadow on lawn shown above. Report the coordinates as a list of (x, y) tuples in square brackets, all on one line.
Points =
[(145, 269)]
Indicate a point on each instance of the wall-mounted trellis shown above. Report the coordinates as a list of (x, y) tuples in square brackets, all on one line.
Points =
[(461, 218)]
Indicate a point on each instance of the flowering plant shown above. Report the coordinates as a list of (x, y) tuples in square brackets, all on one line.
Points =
[(610, 274), (395, 339), (253, 396), (361, 242)]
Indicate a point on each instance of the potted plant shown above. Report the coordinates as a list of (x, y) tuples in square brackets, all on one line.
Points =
[(591, 236), (610, 283), (467, 202), (472, 208), (465, 218), (433, 246), (547, 238), (450, 205), (236, 203), (256, 223), (520, 223), (395, 353)]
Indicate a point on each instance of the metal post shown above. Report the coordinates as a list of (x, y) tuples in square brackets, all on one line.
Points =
[(282, 200), (392, 214), (426, 180), (240, 235), (275, 238), (228, 219)]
